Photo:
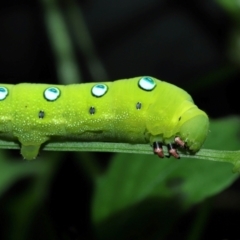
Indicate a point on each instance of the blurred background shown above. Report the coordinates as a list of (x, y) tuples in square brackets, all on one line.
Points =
[(193, 44)]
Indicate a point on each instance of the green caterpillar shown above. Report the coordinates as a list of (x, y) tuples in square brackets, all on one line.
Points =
[(136, 110)]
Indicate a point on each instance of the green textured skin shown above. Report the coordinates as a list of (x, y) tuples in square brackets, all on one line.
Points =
[(167, 111)]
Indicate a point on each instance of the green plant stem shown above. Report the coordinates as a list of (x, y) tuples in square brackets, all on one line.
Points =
[(68, 70), (205, 154), (84, 40)]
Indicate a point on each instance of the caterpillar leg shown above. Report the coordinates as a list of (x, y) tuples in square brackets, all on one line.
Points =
[(29, 152), (157, 149), (172, 150), (179, 142)]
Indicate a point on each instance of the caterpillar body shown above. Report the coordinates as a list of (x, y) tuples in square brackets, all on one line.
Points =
[(136, 110)]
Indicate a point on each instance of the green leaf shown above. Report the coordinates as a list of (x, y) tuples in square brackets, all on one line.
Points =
[(232, 7), (138, 190), (22, 206)]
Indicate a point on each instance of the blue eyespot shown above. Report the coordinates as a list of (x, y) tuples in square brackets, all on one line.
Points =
[(51, 93), (99, 90), (3, 93), (147, 83)]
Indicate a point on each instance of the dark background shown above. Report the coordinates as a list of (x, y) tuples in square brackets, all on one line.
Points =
[(188, 43), (183, 42)]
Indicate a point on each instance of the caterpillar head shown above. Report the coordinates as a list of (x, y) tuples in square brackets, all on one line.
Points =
[(194, 128)]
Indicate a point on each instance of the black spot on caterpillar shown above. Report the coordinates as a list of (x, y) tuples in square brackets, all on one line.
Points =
[(41, 114)]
